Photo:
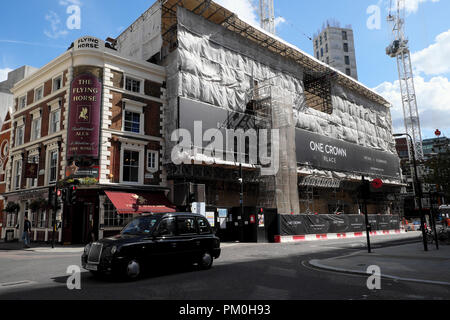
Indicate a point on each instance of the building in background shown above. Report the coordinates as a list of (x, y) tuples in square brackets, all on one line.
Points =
[(437, 154), (432, 148), (6, 97), (335, 46), (435, 146), (408, 197)]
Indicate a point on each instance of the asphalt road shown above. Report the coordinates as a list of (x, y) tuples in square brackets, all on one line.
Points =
[(243, 272)]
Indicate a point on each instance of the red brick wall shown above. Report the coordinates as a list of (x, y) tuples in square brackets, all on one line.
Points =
[(152, 125), (47, 87), (30, 97)]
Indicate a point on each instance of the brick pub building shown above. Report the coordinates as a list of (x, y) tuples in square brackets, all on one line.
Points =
[(94, 115)]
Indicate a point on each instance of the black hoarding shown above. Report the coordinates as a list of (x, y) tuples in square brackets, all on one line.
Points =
[(292, 225), (328, 153)]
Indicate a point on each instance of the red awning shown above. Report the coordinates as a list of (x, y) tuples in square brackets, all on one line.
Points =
[(140, 202)]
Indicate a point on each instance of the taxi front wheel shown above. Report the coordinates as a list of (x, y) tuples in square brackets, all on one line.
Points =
[(133, 269)]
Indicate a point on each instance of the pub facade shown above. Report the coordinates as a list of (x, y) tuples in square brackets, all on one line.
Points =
[(94, 117)]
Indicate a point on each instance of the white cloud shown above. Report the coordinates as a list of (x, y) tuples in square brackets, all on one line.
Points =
[(57, 28), (4, 74), (434, 60), (433, 99), (412, 5), (279, 21), (243, 8), (69, 2), (247, 11), (433, 94), (55, 23)]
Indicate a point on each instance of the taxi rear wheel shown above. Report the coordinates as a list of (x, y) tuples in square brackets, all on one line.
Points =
[(206, 261)]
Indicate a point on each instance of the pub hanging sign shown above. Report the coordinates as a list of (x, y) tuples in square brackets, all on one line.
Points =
[(84, 117)]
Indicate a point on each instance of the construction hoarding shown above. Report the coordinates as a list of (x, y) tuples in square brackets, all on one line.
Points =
[(291, 225)]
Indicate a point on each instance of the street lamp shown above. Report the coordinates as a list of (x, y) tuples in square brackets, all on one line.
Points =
[(417, 189)]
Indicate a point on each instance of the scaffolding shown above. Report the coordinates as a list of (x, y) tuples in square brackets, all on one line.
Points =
[(318, 90)]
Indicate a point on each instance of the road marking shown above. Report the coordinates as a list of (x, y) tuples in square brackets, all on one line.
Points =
[(317, 264), (55, 250), (16, 284)]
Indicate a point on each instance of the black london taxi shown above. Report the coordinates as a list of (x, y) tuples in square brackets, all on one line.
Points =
[(152, 239)]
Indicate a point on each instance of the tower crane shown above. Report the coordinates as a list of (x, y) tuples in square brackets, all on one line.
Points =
[(267, 15), (399, 49)]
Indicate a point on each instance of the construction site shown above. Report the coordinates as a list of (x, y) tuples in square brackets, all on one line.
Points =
[(229, 75)]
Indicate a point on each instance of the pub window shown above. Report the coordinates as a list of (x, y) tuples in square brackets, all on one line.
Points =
[(55, 121), (36, 129), (132, 122), (17, 174), (152, 161), (112, 218), (33, 181), (22, 102), (131, 166), (42, 219), (20, 135), (133, 85), (39, 93), (11, 219), (53, 166), (57, 83)]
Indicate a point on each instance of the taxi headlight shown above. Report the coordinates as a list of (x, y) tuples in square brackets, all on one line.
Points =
[(87, 248), (113, 249)]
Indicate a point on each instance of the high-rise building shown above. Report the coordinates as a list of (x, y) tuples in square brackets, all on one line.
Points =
[(335, 46)]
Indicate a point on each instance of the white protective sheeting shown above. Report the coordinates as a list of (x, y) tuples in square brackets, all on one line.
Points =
[(143, 38), (219, 67)]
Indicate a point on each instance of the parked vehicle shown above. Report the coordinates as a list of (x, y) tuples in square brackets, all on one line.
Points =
[(153, 239)]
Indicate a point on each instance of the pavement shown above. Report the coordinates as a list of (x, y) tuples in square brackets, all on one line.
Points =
[(407, 262), (39, 247)]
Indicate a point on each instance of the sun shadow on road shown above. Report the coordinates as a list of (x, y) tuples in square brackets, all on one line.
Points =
[(237, 276)]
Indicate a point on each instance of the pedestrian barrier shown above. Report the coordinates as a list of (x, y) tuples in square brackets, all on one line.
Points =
[(334, 236)]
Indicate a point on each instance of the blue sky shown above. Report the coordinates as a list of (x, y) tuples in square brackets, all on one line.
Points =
[(36, 33)]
